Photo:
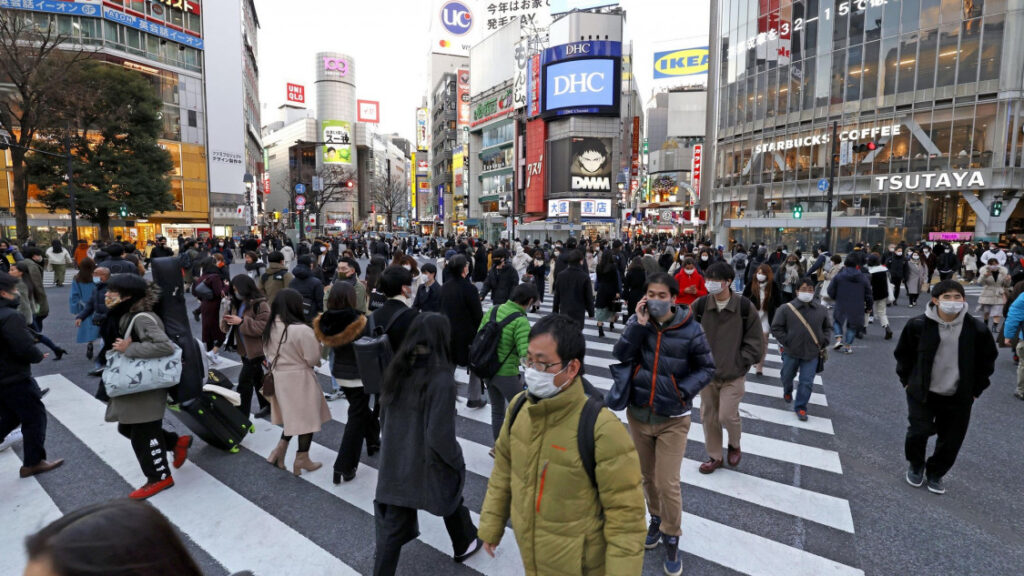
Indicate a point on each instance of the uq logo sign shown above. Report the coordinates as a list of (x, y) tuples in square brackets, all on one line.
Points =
[(456, 18), (339, 65)]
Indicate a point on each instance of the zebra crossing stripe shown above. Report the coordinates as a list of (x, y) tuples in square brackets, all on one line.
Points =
[(229, 527), (26, 508)]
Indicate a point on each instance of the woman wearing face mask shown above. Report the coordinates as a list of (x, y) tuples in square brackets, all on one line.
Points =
[(970, 264), (247, 318), (802, 328), (253, 265), (690, 283), (896, 262), (915, 279), (421, 463), (995, 283), (225, 252), (704, 260), (764, 294), (82, 289), (789, 274), (671, 362)]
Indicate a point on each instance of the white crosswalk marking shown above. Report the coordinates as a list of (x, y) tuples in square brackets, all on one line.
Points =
[(25, 508), (778, 439)]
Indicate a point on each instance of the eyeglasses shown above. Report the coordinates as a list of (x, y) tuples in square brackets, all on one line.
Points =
[(542, 366)]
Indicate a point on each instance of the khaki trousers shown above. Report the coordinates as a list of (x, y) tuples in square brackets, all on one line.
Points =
[(661, 448), (720, 406)]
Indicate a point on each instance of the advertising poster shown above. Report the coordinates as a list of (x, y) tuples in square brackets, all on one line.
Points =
[(580, 86), (337, 138), (536, 134), (422, 134), (412, 191), (591, 167), (685, 62), (519, 83), (462, 95)]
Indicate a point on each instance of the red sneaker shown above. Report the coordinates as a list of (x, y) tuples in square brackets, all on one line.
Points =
[(152, 489), (181, 450)]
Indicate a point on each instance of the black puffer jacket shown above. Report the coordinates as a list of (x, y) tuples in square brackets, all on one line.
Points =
[(500, 283), (17, 346), (311, 288), (681, 354), (339, 329)]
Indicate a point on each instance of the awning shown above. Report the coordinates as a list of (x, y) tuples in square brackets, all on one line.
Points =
[(489, 198)]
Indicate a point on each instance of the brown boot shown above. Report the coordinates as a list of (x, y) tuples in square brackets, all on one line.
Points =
[(277, 456), (302, 462)]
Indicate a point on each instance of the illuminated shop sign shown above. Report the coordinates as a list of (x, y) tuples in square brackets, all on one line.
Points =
[(183, 5), (139, 23), (339, 65), (589, 49), (589, 208), (581, 87), (931, 181), (824, 138), (492, 107), (296, 93)]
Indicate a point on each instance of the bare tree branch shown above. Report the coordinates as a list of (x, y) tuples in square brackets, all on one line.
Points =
[(390, 196)]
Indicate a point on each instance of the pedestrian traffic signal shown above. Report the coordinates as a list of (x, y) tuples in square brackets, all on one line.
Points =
[(798, 211), (123, 212), (869, 147), (997, 208), (350, 184)]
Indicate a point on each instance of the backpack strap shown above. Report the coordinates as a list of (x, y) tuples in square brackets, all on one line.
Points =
[(585, 437), (394, 318), (518, 405), (698, 308)]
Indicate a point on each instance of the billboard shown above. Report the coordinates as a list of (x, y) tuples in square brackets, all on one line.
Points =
[(368, 111), (412, 190), (591, 166), (588, 86), (422, 133), (337, 138), (296, 93), (536, 134), (533, 86), (521, 57), (462, 96), (589, 207), (695, 169), (685, 62), (492, 107)]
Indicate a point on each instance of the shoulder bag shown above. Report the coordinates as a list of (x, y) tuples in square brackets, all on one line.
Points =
[(267, 388), (822, 352), (124, 375)]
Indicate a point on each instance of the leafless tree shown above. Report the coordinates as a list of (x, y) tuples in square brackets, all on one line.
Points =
[(390, 196), (339, 185), (35, 67)]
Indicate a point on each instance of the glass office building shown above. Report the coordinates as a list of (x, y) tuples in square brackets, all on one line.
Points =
[(934, 85)]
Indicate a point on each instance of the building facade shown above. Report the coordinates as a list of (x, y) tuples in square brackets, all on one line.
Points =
[(166, 44), (917, 104), (443, 139)]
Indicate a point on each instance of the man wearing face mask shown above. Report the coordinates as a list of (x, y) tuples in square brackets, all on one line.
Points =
[(944, 360), (733, 329), (896, 262), (501, 279), (672, 364), (20, 398), (563, 522), (396, 284), (801, 326)]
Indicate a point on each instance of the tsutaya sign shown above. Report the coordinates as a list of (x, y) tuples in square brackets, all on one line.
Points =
[(825, 137), (931, 181)]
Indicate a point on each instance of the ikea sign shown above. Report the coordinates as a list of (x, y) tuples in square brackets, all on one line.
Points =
[(685, 62)]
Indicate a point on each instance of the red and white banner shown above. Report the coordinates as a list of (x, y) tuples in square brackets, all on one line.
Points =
[(296, 93), (536, 137), (368, 111), (695, 170)]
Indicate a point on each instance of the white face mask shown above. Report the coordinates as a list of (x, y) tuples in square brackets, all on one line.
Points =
[(714, 287), (761, 277), (704, 258), (951, 307), (916, 257), (805, 296), (688, 270), (542, 384), (407, 266)]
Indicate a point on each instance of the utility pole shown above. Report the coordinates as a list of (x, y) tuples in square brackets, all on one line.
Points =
[(831, 185), (71, 189)]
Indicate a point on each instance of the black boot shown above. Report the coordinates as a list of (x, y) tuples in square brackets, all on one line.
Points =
[(888, 333), (600, 331)]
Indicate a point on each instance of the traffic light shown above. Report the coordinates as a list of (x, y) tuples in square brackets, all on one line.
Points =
[(869, 147), (123, 211), (997, 208), (350, 184), (798, 211)]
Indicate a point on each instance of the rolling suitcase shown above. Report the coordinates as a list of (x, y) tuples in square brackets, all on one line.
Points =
[(173, 311), (219, 423), (214, 376)]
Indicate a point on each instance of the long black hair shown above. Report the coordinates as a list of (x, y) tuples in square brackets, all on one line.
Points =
[(425, 345), (373, 271), (244, 286), (116, 538), (287, 307)]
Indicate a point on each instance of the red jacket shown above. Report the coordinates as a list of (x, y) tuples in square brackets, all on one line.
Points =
[(686, 280)]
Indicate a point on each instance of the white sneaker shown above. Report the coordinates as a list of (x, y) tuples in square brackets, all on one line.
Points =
[(838, 344), (214, 357), (12, 438)]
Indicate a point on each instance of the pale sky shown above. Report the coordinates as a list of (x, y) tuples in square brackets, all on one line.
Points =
[(389, 40)]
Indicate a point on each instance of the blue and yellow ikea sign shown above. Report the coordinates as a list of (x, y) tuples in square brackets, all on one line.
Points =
[(685, 62)]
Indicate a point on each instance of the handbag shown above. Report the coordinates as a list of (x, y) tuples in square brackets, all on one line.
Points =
[(202, 291), (124, 375), (617, 397), (267, 388), (822, 352)]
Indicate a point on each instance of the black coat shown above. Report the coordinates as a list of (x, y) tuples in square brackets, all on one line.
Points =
[(633, 288), (915, 355), (428, 298), (460, 302), (311, 288), (500, 283), (382, 316), (774, 298), (480, 265), (339, 329), (574, 296), (17, 346), (608, 285)]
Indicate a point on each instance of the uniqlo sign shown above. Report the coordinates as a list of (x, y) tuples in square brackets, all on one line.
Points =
[(695, 170), (296, 93)]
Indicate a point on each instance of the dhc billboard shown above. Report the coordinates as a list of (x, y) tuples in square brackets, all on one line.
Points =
[(585, 86)]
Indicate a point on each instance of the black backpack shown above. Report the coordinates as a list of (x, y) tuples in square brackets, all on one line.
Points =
[(373, 352), (483, 352), (584, 431)]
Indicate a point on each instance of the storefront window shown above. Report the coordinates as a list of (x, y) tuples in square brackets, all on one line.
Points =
[(773, 91), (940, 132)]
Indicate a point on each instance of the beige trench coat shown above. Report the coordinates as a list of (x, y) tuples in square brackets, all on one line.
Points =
[(298, 402)]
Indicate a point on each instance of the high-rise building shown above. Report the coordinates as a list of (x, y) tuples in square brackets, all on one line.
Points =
[(165, 42), (912, 109), (232, 98)]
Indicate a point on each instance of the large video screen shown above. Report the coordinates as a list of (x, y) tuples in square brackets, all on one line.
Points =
[(587, 86)]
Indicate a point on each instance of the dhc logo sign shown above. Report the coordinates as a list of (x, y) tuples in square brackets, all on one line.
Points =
[(579, 83), (456, 18), (684, 62)]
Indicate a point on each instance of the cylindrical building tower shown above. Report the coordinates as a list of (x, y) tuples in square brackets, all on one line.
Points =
[(336, 117)]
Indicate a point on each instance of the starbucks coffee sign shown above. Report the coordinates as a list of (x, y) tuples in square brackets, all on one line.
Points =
[(930, 181)]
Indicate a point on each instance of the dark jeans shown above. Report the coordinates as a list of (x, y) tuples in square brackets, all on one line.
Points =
[(501, 389), (896, 283), (249, 379), (21, 405), (944, 416), (150, 442), (37, 326), (397, 525), (362, 424), (805, 384)]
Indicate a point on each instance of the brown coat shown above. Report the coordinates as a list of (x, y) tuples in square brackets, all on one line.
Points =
[(257, 313), (298, 401)]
